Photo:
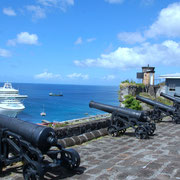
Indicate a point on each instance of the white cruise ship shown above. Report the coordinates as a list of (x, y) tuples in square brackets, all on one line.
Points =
[(11, 101)]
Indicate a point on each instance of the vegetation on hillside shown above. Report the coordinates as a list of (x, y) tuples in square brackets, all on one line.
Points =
[(131, 103), (127, 83)]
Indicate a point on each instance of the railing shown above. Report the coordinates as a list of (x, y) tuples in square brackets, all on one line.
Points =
[(156, 81)]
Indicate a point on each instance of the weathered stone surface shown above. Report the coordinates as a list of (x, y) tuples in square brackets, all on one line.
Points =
[(81, 128), (123, 157)]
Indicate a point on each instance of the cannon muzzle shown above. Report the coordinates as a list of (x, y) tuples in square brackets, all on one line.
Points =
[(41, 137)]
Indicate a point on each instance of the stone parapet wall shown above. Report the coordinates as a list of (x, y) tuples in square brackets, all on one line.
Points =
[(81, 128), (77, 140)]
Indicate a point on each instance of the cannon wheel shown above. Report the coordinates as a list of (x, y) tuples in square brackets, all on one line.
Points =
[(151, 127), (176, 120), (141, 133), (112, 130), (32, 172), (70, 159), (120, 125), (121, 132), (156, 116)]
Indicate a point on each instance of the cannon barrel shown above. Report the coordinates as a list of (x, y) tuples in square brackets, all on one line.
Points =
[(177, 95), (167, 96), (157, 104), (110, 109), (40, 136)]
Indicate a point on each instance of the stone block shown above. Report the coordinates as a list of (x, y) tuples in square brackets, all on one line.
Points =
[(69, 142), (89, 136)]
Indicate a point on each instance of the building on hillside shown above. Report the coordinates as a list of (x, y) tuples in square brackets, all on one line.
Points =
[(172, 83), (147, 75)]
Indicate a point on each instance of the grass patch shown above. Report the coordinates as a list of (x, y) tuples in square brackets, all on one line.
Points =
[(159, 99)]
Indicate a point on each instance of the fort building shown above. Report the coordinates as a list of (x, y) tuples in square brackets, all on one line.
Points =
[(147, 75), (172, 83)]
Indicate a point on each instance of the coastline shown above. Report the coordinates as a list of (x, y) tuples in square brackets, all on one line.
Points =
[(72, 106), (75, 121)]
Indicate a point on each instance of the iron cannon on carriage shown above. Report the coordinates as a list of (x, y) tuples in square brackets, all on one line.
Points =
[(33, 144), (161, 110), (176, 101), (123, 118)]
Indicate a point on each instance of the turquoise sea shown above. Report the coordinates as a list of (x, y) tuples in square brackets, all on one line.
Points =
[(73, 104)]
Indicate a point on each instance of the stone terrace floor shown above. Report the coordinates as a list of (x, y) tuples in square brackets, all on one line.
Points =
[(124, 157)]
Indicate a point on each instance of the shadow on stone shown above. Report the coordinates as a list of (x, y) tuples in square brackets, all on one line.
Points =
[(57, 173), (62, 173), (132, 134), (167, 121)]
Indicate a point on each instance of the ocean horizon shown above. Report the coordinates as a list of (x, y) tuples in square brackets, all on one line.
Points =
[(73, 104)]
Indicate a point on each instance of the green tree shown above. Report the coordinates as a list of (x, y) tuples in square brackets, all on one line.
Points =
[(131, 103)]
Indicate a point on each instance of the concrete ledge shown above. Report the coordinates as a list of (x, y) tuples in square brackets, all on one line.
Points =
[(76, 140)]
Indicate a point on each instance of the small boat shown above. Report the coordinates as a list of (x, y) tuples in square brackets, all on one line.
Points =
[(51, 94), (43, 113)]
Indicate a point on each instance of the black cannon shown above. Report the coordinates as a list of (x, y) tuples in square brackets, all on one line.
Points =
[(177, 95), (176, 101), (32, 144), (160, 110), (123, 118)]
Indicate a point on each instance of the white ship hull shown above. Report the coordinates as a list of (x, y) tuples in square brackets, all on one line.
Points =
[(10, 112), (10, 101)]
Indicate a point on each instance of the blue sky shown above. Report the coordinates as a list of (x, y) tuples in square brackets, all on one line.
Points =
[(87, 41)]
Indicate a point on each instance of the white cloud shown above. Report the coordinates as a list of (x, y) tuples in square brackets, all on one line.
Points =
[(46, 75), (11, 42), (78, 41), (9, 11), (131, 37), (147, 2), (166, 53), (38, 12), (24, 38), (167, 23), (91, 39), (62, 4), (48, 2), (4, 53), (78, 75), (109, 77), (114, 1)]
